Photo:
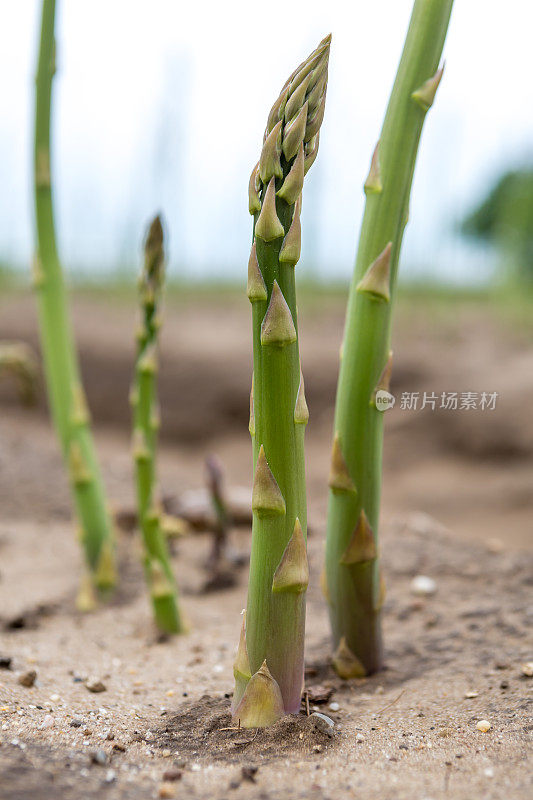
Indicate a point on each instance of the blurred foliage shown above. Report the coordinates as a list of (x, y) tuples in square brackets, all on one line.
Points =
[(505, 219)]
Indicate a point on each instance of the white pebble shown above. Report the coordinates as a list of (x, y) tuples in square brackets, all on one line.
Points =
[(48, 721), (334, 706), (483, 725), (218, 668), (423, 586)]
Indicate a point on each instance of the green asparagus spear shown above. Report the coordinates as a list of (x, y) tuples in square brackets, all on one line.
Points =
[(158, 569), (353, 583), (269, 666), (66, 395)]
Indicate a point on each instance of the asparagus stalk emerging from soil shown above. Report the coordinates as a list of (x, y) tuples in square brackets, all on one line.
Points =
[(353, 585), (158, 570), (66, 395), (269, 666)]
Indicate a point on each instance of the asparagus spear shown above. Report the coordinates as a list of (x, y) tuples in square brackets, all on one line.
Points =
[(354, 586), (158, 570), (66, 395), (269, 666)]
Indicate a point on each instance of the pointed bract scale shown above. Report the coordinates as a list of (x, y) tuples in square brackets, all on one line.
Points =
[(79, 411), (339, 475), (362, 545), (314, 97), (86, 597), (301, 411), (267, 499), (261, 704), (293, 134), (425, 94), (376, 280), (251, 423), (373, 183), (314, 123), (42, 168), (311, 152), (147, 364), (241, 667), (383, 383), (105, 575), (292, 243), (268, 227), (160, 585), (255, 289), (277, 110), (254, 201), (141, 451), (79, 471), (292, 186), (296, 100), (277, 327), (346, 664), (292, 572), (269, 162)]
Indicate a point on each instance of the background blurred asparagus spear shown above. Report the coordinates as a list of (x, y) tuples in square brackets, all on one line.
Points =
[(269, 666), (353, 585), (66, 395), (158, 570), (18, 360)]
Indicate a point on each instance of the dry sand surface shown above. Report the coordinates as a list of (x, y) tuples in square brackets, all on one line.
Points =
[(458, 508)]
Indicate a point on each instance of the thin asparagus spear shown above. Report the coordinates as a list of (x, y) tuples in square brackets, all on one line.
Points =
[(66, 395), (158, 570), (354, 587), (271, 647)]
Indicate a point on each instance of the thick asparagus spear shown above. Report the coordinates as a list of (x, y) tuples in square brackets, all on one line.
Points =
[(158, 569), (354, 588), (269, 666), (67, 399)]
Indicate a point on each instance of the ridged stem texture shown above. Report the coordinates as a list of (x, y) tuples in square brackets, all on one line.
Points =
[(158, 570), (272, 647), (66, 395), (353, 585)]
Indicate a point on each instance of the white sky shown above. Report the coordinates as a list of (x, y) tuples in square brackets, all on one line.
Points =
[(161, 105)]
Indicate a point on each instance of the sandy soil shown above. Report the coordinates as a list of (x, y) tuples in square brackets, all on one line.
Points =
[(457, 507)]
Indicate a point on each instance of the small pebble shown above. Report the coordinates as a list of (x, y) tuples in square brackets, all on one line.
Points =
[(483, 725), (249, 772), (359, 737), (444, 733), (48, 721), (166, 790), (334, 706), (95, 685), (118, 747), (527, 669), (110, 776), (5, 662), (322, 723), (471, 695), (99, 757), (27, 678), (76, 723), (172, 774), (423, 586), (504, 685)]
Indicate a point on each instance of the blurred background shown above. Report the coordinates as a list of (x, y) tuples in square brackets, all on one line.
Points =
[(161, 106)]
